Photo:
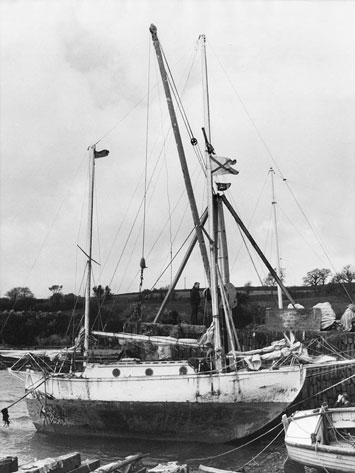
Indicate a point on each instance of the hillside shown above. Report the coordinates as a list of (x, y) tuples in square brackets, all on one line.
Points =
[(43, 323)]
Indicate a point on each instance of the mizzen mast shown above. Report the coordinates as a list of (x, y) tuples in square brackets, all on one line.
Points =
[(89, 263), (93, 154), (278, 266)]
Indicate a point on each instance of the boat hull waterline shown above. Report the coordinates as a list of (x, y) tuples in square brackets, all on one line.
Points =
[(215, 407)]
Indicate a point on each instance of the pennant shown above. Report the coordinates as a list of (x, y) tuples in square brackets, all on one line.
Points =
[(220, 165), (223, 186), (101, 154)]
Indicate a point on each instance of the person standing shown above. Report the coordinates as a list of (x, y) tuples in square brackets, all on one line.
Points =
[(5, 417), (195, 300)]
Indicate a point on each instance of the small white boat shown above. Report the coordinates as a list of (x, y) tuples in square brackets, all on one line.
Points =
[(322, 438)]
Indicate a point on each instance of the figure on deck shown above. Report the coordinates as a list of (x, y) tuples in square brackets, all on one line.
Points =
[(343, 401), (207, 311), (195, 300), (348, 318)]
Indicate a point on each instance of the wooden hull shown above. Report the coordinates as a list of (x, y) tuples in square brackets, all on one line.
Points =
[(327, 458), (189, 407), (193, 422), (322, 438)]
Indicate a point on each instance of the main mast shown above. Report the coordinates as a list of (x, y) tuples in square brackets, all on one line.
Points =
[(211, 211), (181, 152)]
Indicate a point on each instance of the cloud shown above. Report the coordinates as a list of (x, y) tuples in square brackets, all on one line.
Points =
[(74, 73)]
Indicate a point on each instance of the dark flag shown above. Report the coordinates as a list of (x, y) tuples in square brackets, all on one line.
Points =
[(223, 186), (101, 154), (221, 165)]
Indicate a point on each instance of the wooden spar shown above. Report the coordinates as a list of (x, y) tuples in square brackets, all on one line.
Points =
[(278, 267), (181, 152), (181, 268), (227, 317), (89, 263), (212, 212), (111, 467), (211, 469), (156, 339), (257, 249), (222, 236)]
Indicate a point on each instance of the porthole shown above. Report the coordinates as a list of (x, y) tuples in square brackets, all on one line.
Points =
[(183, 370), (149, 372), (116, 372)]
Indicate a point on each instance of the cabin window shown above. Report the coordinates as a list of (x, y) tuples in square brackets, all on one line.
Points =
[(149, 372), (183, 370), (116, 372)]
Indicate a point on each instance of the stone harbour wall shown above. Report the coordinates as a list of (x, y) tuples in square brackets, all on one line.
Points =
[(324, 383)]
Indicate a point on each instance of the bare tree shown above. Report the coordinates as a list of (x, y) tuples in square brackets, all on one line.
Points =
[(346, 275), (56, 289), (316, 277), (17, 293), (99, 291), (270, 281)]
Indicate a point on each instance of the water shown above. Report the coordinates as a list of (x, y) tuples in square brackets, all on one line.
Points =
[(22, 440)]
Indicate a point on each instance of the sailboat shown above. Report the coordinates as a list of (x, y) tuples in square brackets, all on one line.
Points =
[(217, 398)]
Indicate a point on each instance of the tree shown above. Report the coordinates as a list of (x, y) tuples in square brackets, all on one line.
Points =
[(101, 292), (316, 277), (55, 289), (57, 296), (17, 293), (270, 281), (346, 275), (247, 286), (98, 291), (108, 292)]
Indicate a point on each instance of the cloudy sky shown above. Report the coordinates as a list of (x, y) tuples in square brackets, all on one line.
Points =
[(74, 73)]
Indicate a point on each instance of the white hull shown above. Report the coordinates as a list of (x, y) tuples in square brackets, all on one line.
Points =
[(331, 458), (141, 393), (320, 439)]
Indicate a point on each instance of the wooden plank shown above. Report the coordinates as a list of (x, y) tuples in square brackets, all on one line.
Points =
[(210, 469), (169, 467), (8, 464), (62, 464), (110, 467)]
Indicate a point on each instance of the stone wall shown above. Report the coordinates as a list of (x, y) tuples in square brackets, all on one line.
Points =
[(323, 384)]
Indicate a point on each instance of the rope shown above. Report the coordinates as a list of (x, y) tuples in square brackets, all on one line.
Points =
[(169, 218), (177, 97), (181, 109), (142, 262), (167, 183), (249, 224), (236, 448), (324, 390), (278, 169), (29, 392), (316, 235), (262, 451), (173, 258)]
